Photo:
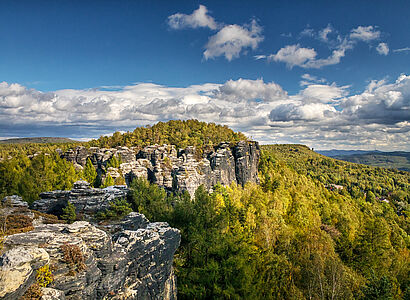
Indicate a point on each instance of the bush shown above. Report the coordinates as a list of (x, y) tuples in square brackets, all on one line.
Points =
[(69, 213), (13, 224), (44, 276), (73, 256), (108, 181), (33, 292), (117, 210)]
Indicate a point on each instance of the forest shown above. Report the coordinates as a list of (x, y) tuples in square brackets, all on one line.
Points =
[(314, 228)]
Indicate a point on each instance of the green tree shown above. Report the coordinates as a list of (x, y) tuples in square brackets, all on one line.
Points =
[(90, 174), (108, 181), (116, 211), (69, 213), (370, 197)]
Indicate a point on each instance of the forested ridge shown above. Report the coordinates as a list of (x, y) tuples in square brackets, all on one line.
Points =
[(293, 236)]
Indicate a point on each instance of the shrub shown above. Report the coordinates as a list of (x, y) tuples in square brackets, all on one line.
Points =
[(47, 218), (120, 181), (117, 210), (69, 213), (33, 293), (108, 181), (44, 276), (73, 256), (13, 224)]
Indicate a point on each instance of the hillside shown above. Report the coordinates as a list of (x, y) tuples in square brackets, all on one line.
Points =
[(175, 132), (396, 160), (313, 228), (38, 140)]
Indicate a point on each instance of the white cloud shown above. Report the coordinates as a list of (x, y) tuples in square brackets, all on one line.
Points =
[(301, 112), (325, 32), (199, 18), (232, 39), (294, 55), (382, 49), (365, 33), (320, 115), (258, 57), (229, 41), (323, 93), (402, 49), (309, 79), (309, 32), (245, 90)]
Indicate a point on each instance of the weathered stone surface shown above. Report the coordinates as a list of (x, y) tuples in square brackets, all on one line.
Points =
[(52, 294), (134, 263), (17, 269), (86, 200), (14, 201), (174, 170)]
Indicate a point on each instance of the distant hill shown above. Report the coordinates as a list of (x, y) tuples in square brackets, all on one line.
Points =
[(38, 140), (397, 160), (334, 152)]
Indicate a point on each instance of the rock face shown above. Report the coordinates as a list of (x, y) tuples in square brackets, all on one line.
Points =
[(176, 170), (87, 200), (134, 261)]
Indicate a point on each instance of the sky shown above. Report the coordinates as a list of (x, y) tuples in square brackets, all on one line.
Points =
[(327, 74)]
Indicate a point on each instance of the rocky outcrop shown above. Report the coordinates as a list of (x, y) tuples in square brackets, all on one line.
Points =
[(176, 170), (130, 260), (87, 200)]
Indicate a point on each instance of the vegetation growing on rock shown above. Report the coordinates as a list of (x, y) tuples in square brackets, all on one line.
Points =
[(73, 256), (69, 213), (116, 211), (178, 133)]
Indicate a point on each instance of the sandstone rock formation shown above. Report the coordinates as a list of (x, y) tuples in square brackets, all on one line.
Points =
[(133, 261), (176, 170), (87, 200)]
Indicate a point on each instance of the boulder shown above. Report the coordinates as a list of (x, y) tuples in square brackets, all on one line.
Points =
[(134, 263)]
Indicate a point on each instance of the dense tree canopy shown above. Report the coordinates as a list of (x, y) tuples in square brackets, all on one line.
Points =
[(291, 237), (314, 228), (178, 133)]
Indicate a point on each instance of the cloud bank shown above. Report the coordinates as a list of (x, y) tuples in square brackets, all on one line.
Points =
[(321, 115)]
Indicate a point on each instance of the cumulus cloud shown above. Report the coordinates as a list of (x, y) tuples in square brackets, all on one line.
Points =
[(321, 115), (382, 49), (232, 39), (296, 55), (229, 41), (199, 18), (365, 33)]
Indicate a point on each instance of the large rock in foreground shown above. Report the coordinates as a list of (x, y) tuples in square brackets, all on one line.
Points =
[(134, 262)]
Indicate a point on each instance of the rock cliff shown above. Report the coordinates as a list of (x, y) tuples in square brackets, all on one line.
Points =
[(176, 170), (128, 260), (86, 200)]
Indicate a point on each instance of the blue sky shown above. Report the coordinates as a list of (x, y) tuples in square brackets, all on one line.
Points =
[(330, 74)]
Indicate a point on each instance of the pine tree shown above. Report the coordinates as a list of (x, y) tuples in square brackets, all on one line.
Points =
[(90, 174), (69, 213), (108, 181)]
